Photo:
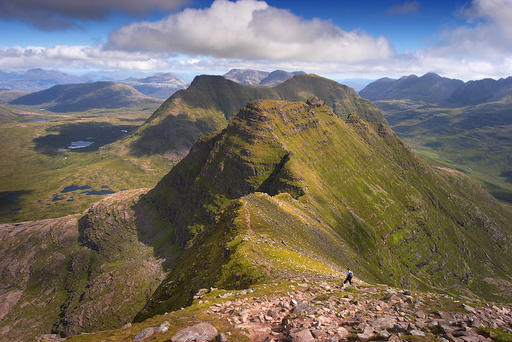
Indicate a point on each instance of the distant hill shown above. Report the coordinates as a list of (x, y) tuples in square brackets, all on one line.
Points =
[(246, 76), (211, 101), (84, 96), (7, 114), (7, 96), (430, 88), (481, 91), (434, 89), (279, 76), (255, 77), (37, 79), (161, 85)]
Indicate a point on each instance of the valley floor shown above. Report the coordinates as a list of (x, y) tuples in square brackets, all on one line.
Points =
[(309, 309), (41, 178)]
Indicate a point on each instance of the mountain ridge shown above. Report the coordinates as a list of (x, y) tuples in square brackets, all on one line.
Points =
[(434, 89), (211, 101)]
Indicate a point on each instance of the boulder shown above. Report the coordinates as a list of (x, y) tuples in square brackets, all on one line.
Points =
[(384, 323), (198, 332), (163, 327), (302, 307), (302, 336), (418, 333), (144, 334), (49, 338)]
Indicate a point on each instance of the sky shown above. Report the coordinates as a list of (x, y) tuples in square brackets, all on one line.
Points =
[(465, 39)]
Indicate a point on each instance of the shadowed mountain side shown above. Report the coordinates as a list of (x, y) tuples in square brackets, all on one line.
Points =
[(81, 274), (211, 101), (85, 96), (344, 193), (430, 88)]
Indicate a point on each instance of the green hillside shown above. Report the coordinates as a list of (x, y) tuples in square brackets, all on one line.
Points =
[(287, 190), (211, 101), (84, 96), (474, 139)]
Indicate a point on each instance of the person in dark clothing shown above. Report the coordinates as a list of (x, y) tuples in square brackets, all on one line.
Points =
[(348, 279)]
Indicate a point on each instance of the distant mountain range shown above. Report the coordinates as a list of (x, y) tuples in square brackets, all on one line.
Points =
[(256, 77), (434, 89), (85, 96), (161, 85), (37, 79), (465, 125)]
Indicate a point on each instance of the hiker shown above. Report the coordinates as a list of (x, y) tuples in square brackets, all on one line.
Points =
[(349, 277)]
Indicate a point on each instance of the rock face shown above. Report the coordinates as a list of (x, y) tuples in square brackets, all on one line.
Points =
[(77, 273)]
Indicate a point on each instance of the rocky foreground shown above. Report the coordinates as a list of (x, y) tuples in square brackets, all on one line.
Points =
[(309, 310)]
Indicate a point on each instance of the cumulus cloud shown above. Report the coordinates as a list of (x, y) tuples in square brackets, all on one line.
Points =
[(405, 8), (488, 33), (77, 57), (59, 14), (250, 29)]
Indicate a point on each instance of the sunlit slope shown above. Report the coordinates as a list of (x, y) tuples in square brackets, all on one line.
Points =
[(288, 184)]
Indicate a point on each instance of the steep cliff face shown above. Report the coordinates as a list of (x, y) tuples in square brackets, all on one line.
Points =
[(335, 192), (80, 273)]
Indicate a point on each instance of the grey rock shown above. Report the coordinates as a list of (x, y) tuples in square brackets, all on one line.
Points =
[(302, 336), (418, 333), (198, 332), (302, 307), (468, 308), (144, 334), (384, 323), (126, 326), (163, 327), (49, 338)]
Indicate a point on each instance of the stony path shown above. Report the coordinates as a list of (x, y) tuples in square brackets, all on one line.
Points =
[(326, 313)]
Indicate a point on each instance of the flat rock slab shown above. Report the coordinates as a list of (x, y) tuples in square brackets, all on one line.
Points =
[(198, 332)]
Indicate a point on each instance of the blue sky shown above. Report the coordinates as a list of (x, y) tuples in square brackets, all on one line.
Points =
[(373, 38)]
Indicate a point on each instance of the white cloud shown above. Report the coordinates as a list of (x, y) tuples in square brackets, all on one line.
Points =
[(253, 30), (77, 57), (405, 8), (267, 38)]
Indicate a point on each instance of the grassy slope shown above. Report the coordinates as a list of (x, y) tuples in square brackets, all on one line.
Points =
[(211, 101), (359, 197), (476, 140), (7, 113)]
